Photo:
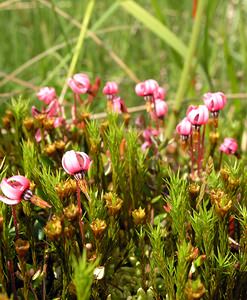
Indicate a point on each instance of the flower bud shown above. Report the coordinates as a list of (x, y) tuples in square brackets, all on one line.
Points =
[(22, 247), (139, 216), (98, 227), (53, 228), (71, 212)]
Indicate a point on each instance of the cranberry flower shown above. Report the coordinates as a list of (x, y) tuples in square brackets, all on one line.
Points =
[(214, 101), (149, 135), (79, 83), (50, 111), (110, 89), (16, 188), (184, 128), (146, 88), (229, 146), (46, 94), (76, 163), (197, 115), (160, 108), (159, 93)]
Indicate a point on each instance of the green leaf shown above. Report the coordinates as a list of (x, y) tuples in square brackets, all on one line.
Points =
[(155, 26)]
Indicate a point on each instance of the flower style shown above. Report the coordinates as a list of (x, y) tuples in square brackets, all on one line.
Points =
[(76, 163), (46, 94), (229, 146), (146, 88), (184, 128), (160, 93), (110, 89), (16, 188), (214, 101), (79, 83), (197, 115)]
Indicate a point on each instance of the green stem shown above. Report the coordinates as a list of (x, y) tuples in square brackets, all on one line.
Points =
[(78, 47), (187, 69)]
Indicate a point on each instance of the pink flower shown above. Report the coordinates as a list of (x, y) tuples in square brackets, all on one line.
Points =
[(58, 122), (110, 89), (51, 110), (118, 105), (79, 83), (197, 115), (46, 94), (161, 108), (214, 101), (146, 145), (146, 88), (38, 136), (14, 188), (184, 128), (75, 162), (229, 146), (149, 133), (160, 93)]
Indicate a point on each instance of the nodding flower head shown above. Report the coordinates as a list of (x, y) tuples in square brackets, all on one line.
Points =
[(46, 94), (214, 101), (75, 162), (14, 189), (146, 88), (184, 128), (110, 89), (197, 115), (79, 83), (160, 93), (229, 146), (161, 108)]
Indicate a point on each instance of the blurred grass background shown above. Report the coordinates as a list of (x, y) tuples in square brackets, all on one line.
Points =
[(38, 38)]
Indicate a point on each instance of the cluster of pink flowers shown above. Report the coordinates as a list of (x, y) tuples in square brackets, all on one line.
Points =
[(154, 95), (116, 103), (197, 117), (51, 109)]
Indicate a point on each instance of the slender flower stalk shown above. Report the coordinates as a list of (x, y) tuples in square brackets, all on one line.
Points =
[(76, 164), (198, 116)]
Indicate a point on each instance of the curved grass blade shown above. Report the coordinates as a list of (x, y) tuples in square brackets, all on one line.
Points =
[(155, 26)]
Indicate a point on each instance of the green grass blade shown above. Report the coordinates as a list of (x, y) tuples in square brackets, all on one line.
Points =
[(155, 26), (105, 16), (78, 47), (187, 69)]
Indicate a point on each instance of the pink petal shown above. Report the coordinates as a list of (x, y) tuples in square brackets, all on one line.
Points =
[(10, 191), (9, 201), (70, 162), (35, 111), (83, 160), (25, 183), (38, 136), (52, 108)]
